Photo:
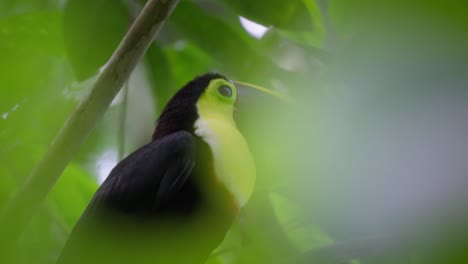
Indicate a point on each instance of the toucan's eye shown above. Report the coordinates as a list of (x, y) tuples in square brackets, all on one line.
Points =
[(225, 91)]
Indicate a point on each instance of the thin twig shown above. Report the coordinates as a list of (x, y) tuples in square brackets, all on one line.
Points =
[(121, 123), (67, 142)]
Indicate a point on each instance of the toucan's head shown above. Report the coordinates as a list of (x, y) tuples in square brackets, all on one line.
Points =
[(212, 92)]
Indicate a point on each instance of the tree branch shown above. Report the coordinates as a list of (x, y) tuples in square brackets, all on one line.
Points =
[(78, 126)]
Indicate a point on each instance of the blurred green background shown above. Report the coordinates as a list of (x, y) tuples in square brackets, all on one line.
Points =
[(368, 164)]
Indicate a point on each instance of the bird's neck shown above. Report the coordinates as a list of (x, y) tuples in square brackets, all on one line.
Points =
[(233, 163), (175, 118)]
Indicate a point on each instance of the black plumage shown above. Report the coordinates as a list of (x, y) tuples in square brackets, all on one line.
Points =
[(180, 113), (162, 203)]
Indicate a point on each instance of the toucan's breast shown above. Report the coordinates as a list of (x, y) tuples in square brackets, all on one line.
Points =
[(233, 164)]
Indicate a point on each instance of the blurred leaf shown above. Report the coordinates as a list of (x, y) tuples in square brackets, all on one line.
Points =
[(222, 43), (303, 235), (314, 36), (92, 30), (344, 15), (7, 185), (263, 238), (33, 73), (72, 194), (183, 58), (17, 7), (290, 15), (41, 240), (160, 72), (17, 161), (33, 107), (28, 43), (230, 52)]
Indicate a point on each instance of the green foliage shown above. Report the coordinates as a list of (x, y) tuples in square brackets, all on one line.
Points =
[(379, 92), (290, 15), (92, 31)]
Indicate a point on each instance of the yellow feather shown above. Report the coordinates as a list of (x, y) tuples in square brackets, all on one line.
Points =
[(233, 162)]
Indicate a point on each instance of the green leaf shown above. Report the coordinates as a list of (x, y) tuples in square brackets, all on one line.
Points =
[(160, 72), (7, 185), (41, 240), (183, 58), (30, 45), (289, 15), (34, 75), (72, 194), (18, 7), (303, 235), (230, 51), (93, 29)]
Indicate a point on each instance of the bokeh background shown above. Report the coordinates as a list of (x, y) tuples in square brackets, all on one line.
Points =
[(367, 164)]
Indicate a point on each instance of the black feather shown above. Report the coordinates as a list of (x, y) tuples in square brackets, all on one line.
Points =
[(180, 112)]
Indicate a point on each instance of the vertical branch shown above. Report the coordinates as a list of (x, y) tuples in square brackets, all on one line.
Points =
[(121, 123), (63, 148)]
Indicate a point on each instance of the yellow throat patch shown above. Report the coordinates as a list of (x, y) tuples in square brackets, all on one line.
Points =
[(233, 163)]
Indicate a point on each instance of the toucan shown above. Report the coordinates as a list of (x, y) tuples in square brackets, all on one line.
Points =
[(174, 199)]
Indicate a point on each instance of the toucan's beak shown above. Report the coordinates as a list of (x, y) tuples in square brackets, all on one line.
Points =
[(247, 89), (255, 103), (251, 96)]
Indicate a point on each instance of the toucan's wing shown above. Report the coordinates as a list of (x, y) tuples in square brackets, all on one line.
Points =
[(141, 184), (150, 176)]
